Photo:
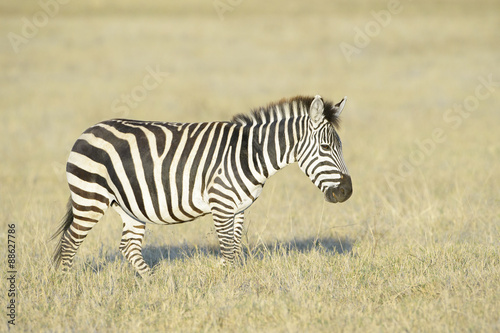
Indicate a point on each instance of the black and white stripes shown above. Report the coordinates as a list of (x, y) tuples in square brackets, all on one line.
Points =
[(168, 173)]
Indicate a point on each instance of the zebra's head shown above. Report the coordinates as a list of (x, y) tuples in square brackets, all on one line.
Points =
[(320, 152)]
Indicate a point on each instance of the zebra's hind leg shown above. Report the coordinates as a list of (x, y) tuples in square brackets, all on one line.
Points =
[(131, 243), (81, 217)]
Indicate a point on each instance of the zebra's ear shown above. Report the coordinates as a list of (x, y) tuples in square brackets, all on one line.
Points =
[(337, 109), (316, 110)]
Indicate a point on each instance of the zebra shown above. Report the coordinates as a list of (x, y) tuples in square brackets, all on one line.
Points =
[(168, 173)]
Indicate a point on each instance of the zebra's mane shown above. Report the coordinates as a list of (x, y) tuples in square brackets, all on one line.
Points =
[(278, 110)]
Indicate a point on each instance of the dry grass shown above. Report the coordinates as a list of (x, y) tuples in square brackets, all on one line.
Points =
[(423, 255)]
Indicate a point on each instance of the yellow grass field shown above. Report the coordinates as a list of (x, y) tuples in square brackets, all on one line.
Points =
[(415, 249)]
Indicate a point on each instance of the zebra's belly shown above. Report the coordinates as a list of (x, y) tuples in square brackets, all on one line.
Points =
[(176, 210), (184, 210)]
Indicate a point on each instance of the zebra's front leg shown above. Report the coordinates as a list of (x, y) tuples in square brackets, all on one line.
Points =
[(224, 226), (131, 242), (238, 230)]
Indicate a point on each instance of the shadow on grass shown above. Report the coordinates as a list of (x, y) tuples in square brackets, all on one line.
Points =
[(153, 255)]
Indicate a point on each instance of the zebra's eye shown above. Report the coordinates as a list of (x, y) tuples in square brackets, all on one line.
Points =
[(324, 146)]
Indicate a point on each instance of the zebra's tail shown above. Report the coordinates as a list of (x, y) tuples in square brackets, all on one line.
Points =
[(65, 224)]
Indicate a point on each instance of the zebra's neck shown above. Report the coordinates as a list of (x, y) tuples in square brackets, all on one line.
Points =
[(273, 134), (278, 148)]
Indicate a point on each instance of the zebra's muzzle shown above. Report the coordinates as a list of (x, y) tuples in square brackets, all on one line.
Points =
[(341, 192)]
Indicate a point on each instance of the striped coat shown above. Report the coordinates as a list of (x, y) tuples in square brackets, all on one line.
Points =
[(167, 173)]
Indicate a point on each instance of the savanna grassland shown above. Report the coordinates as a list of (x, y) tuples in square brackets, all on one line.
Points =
[(416, 248)]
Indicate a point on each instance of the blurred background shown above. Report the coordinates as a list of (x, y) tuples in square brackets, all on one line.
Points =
[(420, 128)]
